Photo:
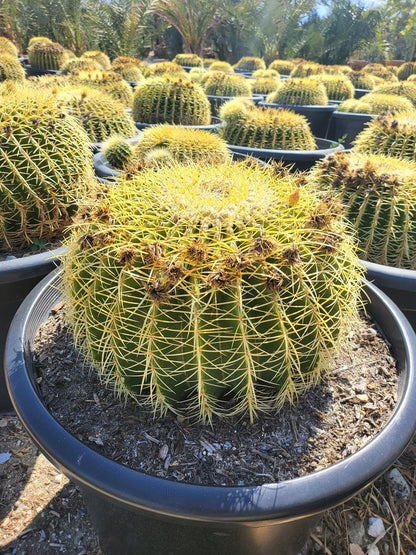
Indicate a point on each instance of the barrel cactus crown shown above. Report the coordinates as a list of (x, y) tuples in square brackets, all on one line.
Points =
[(406, 89), (80, 64), (218, 65), (379, 196), (47, 55), (188, 60), (32, 40), (266, 128), (376, 103), (387, 75), (177, 144), (8, 46), (300, 91), (106, 81), (306, 69), (11, 68), (197, 73), (117, 151), (284, 67), (224, 84), (265, 85), (100, 115), (99, 57), (362, 80), (45, 168), (389, 135), (164, 68), (338, 86), (250, 63), (209, 291), (171, 100), (129, 72), (338, 69), (405, 70)]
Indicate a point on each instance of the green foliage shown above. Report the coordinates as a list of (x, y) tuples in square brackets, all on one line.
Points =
[(214, 290), (8, 46), (47, 55), (188, 60), (284, 67), (266, 128), (171, 100), (100, 115), (117, 151), (178, 144), (250, 63), (405, 70), (379, 196), (362, 80), (45, 168), (338, 87), (389, 135), (223, 84), (300, 91), (11, 68)]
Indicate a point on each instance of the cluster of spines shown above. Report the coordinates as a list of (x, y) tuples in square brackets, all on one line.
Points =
[(284, 67), (377, 103), (338, 86), (250, 63), (164, 68), (300, 91), (362, 80), (218, 83), (405, 70), (8, 46), (188, 60), (106, 81), (405, 88), (218, 65), (11, 68), (117, 151), (100, 57), (47, 55)]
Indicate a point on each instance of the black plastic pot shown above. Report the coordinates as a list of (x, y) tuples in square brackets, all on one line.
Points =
[(213, 126), (37, 71), (358, 93), (345, 126), (398, 284), (136, 513), (17, 278), (217, 101), (298, 159), (317, 116)]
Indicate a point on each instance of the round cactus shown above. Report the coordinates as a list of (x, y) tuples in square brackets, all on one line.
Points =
[(266, 128), (300, 91), (405, 70), (129, 72), (376, 103), (47, 55), (406, 89), (117, 151), (164, 68), (379, 196), (32, 40), (338, 86), (171, 100), (109, 82), (284, 67), (265, 85), (188, 60), (123, 60), (82, 64), (214, 290), (250, 63), (362, 80), (338, 69), (371, 68), (180, 144), (385, 74), (47, 81), (8, 46), (197, 73), (223, 84), (100, 115), (218, 65), (45, 168), (306, 69), (98, 57), (11, 68), (389, 135)]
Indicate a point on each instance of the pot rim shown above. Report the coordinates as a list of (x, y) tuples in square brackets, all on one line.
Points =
[(390, 276), (288, 500), (29, 266), (309, 107), (324, 148)]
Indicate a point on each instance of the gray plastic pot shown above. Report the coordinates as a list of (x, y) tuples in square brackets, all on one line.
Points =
[(345, 126), (135, 513), (213, 126)]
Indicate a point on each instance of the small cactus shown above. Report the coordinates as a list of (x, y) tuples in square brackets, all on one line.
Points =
[(106, 81), (98, 57), (117, 151), (171, 100), (123, 60), (385, 74), (45, 168), (80, 64), (217, 65), (338, 86), (284, 67), (214, 290), (32, 40), (197, 73), (100, 115), (265, 85), (129, 72), (405, 70), (306, 69), (266, 128), (250, 63), (362, 80), (188, 60), (379, 196), (47, 55), (405, 88), (11, 68), (8, 46), (300, 91), (377, 103), (182, 145), (223, 84), (164, 68), (389, 135)]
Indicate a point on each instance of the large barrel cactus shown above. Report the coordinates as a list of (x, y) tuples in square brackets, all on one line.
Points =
[(379, 195), (284, 67), (47, 55), (188, 60), (376, 103), (45, 168), (406, 89), (267, 128), (171, 100), (301, 91), (362, 80), (212, 290), (218, 83), (250, 63), (338, 86), (405, 70)]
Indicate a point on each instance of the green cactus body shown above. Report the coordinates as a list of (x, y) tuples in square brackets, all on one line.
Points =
[(223, 84), (386, 75), (338, 69), (389, 135), (218, 65), (371, 68), (264, 85), (376, 103), (266, 128), (171, 100), (98, 57), (82, 64), (129, 72), (208, 291), (47, 82), (11, 68), (179, 144), (123, 60), (188, 60), (32, 40), (300, 91), (164, 68), (197, 73), (8, 46), (284, 67), (362, 80), (117, 151), (250, 63), (47, 55), (405, 70), (109, 82), (338, 86), (379, 195), (100, 115), (406, 89), (45, 168), (306, 69)]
